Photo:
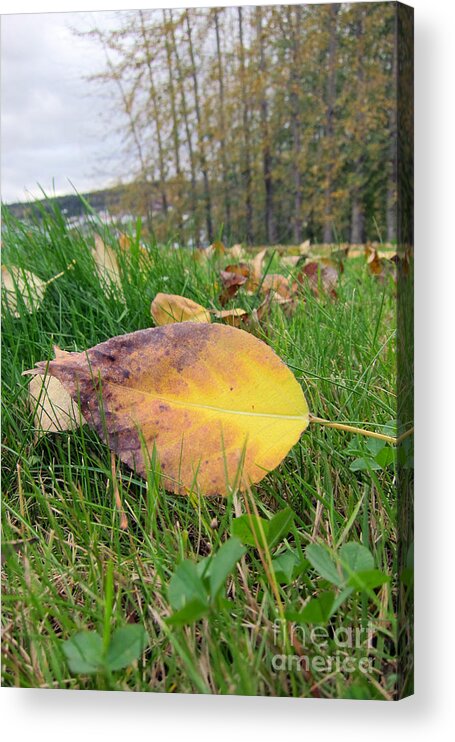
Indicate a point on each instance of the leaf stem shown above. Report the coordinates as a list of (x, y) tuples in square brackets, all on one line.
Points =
[(361, 431)]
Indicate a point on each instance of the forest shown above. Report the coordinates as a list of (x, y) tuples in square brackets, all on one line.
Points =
[(268, 124)]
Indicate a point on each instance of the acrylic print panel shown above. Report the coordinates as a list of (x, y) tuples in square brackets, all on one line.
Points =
[(207, 278)]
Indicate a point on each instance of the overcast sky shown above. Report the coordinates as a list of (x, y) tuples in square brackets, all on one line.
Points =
[(54, 124)]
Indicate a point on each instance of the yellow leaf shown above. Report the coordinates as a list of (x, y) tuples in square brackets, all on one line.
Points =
[(219, 405), (53, 407), (168, 308), (126, 244), (27, 285)]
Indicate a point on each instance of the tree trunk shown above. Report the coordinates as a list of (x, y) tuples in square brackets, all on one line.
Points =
[(331, 97), (357, 207), (189, 141), (222, 127), (266, 153), (391, 207), (295, 122), (357, 220), (175, 122), (156, 113), (202, 158), (128, 103), (246, 173)]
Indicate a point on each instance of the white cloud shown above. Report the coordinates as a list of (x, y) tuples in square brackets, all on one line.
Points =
[(53, 122)]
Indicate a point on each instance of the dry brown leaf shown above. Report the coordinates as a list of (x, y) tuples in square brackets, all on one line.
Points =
[(236, 252), (291, 260), (277, 283), (319, 275), (234, 317), (169, 308), (231, 281), (217, 248), (240, 269), (216, 424), (374, 262), (256, 266), (31, 288), (53, 407)]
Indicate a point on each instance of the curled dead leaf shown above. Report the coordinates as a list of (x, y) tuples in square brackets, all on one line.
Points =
[(106, 263), (21, 283), (256, 266), (53, 408), (231, 281), (169, 308), (216, 425)]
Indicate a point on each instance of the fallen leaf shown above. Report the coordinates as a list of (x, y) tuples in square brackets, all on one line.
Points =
[(234, 317), (256, 266), (319, 275), (54, 410), (202, 254), (217, 248), (169, 308), (374, 262), (264, 307), (240, 269), (24, 283), (126, 244), (236, 251), (106, 263), (277, 283), (291, 260), (387, 254), (231, 281), (355, 252), (219, 405)]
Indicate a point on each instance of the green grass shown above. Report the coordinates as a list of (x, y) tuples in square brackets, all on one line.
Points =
[(61, 533)]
